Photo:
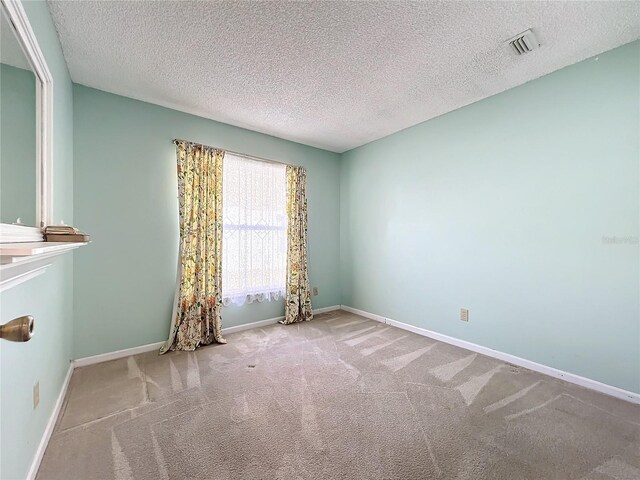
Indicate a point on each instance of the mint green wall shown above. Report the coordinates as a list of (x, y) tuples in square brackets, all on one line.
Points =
[(126, 198), (501, 207), (48, 297), (17, 145)]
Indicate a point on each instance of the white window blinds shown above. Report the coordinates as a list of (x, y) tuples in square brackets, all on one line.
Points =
[(254, 230)]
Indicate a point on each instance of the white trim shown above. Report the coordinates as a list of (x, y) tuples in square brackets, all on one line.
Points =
[(249, 326), (506, 357), (271, 321), (24, 251), (127, 352), (105, 357), (21, 275), (44, 117), (362, 313), (48, 431), (332, 308), (20, 262), (12, 233)]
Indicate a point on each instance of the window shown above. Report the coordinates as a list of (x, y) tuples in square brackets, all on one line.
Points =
[(254, 203)]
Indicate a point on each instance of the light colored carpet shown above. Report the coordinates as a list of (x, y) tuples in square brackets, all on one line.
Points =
[(340, 397)]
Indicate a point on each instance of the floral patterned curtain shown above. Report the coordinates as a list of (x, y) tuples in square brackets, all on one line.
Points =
[(298, 294), (197, 310)]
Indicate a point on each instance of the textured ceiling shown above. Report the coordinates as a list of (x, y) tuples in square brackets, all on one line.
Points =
[(334, 75)]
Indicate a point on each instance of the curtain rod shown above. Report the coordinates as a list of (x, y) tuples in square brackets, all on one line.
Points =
[(250, 157)]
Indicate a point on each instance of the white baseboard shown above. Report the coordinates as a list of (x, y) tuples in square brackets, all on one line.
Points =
[(362, 313), (317, 311), (48, 431), (506, 357), (271, 321), (249, 326), (537, 367), (105, 357)]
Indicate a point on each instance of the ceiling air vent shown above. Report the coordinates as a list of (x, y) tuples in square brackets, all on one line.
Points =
[(524, 42)]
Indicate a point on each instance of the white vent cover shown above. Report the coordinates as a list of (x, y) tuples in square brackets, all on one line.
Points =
[(524, 42)]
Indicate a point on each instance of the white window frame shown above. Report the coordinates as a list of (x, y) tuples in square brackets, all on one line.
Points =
[(259, 294)]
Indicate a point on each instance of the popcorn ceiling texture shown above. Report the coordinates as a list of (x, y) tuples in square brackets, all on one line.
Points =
[(334, 75)]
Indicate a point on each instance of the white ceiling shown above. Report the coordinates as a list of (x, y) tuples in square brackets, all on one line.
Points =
[(334, 75)]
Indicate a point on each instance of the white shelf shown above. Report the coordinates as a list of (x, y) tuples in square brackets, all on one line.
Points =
[(20, 262), (12, 252)]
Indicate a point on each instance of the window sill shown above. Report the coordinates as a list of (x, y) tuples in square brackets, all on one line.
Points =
[(20, 262)]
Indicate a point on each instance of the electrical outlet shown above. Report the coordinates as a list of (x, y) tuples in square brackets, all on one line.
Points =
[(464, 314), (36, 395), (315, 291)]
